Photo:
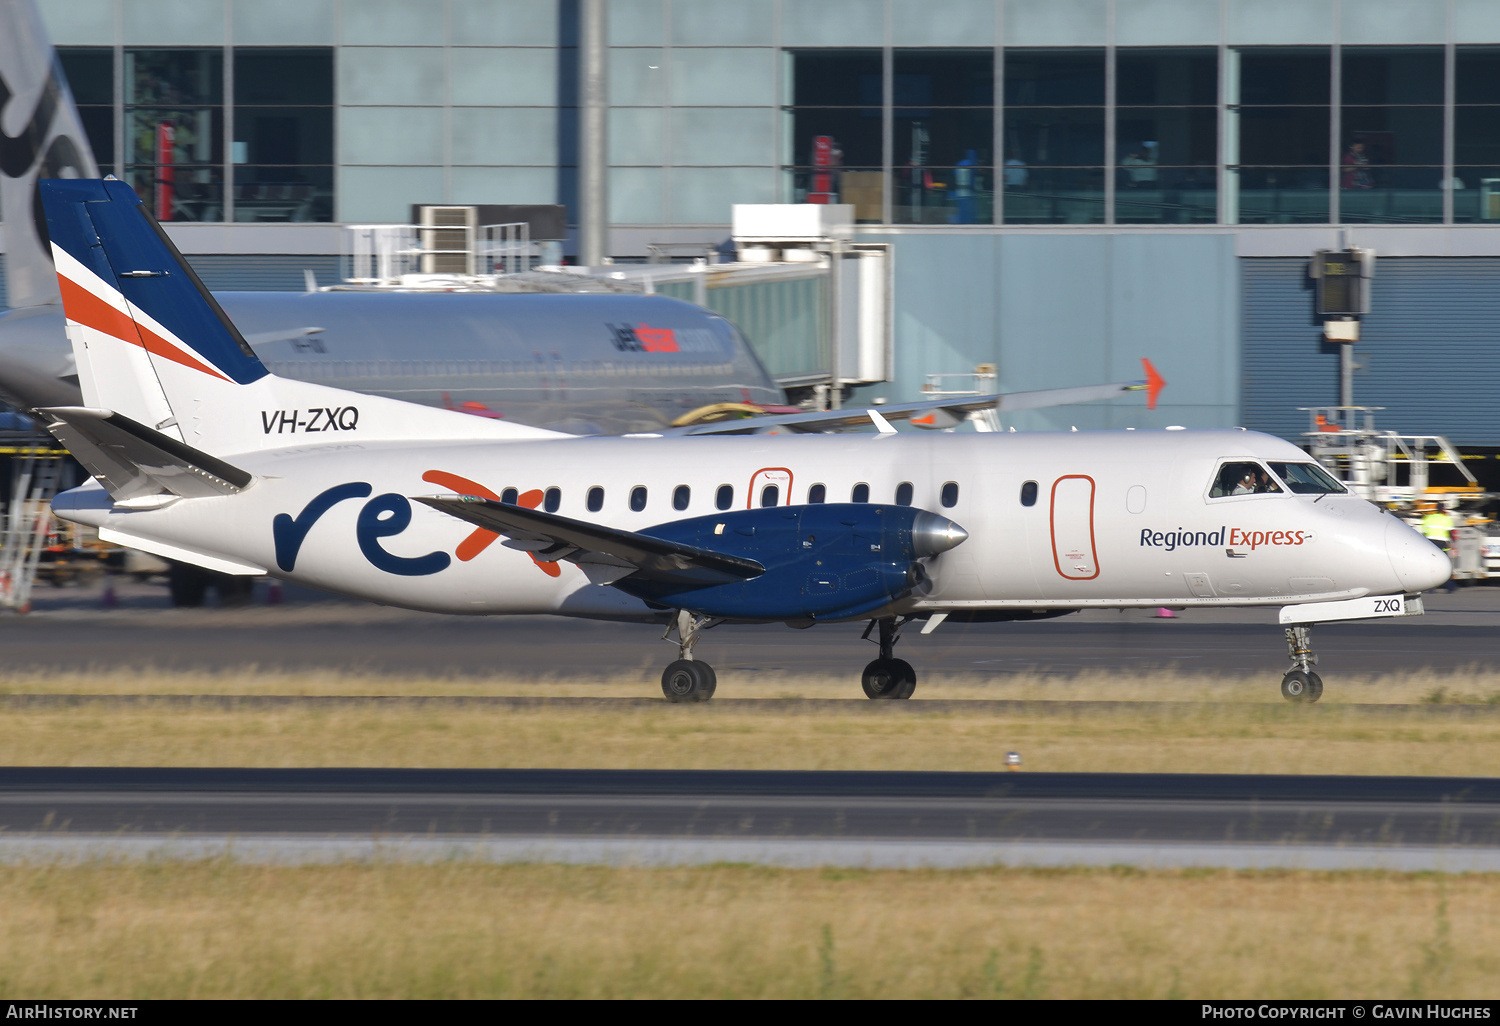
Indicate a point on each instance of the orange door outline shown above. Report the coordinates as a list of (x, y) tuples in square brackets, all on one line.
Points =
[(1093, 557), (768, 476)]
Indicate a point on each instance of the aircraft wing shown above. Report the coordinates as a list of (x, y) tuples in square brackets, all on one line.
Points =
[(931, 413), (604, 553), (132, 461)]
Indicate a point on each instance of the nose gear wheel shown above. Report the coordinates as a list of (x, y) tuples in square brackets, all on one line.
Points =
[(888, 677), (1301, 684)]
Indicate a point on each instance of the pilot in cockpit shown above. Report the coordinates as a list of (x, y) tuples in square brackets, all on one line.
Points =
[(1245, 479)]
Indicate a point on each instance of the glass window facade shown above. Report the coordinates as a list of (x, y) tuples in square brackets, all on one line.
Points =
[(1391, 129), (1147, 135), (91, 74), (1053, 170), (943, 136), (174, 132), (836, 130), (1166, 136), (283, 135), (1476, 135), (1280, 119), (173, 120)]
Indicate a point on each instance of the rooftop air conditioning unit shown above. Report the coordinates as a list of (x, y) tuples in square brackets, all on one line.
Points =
[(447, 239)]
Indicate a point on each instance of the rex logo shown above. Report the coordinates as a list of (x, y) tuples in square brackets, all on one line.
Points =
[(387, 515)]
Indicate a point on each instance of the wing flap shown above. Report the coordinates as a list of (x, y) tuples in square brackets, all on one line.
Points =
[(602, 552)]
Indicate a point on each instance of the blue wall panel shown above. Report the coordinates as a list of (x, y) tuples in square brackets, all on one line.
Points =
[(1053, 309)]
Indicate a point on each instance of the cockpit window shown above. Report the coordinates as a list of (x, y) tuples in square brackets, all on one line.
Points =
[(1308, 479), (1243, 479)]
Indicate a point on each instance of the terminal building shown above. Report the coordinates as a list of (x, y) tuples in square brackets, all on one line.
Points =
[(1065, 186)]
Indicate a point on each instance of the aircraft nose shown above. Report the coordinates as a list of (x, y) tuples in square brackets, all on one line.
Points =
[(1419, 564), (932, 534)]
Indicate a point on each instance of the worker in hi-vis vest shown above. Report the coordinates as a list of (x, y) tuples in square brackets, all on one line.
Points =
[(1437, 525)]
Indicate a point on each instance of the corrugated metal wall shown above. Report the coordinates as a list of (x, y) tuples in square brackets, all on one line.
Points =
[(1430, 347), (262, 272)]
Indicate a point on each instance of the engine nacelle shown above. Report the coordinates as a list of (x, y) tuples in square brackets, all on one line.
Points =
[(825, 562)]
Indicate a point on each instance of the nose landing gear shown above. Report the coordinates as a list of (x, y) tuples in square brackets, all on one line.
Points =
[(1301, 684), (887, 676), (687, 679)]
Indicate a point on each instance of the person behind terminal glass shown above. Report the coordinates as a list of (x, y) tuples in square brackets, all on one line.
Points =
[(965, 210), (1016, 174), (1356, 168)]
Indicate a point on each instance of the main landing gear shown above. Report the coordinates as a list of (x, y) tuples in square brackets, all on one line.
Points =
[(687, 679), (1301, 684), (691, 680), (888, 677)]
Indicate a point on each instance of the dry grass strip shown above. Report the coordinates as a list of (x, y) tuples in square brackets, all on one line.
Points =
[(220, 929), (1197, 738)]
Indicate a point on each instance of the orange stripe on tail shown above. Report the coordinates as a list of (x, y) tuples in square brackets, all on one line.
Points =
[(82, 306)]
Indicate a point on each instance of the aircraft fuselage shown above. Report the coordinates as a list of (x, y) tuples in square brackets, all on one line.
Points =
[(1055, 521)]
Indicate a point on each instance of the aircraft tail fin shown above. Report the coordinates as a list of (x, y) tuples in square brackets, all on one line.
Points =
[(41, 136), (152, 344)]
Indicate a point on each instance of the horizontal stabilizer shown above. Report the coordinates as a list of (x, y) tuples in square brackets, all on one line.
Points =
[(550, 538), (132, 461)]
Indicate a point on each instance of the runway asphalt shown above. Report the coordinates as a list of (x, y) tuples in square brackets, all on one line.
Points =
[(71, 631), (1116, 811), (671, 817)]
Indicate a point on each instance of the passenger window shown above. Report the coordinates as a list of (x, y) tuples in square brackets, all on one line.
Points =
[(861, 493), (903, 493), (680, 496), (638, 498), (596, 499), (1242, 479), (725, 498), (1028, 493), (817, 494), (950, 494), (509, 496), (552, 500), (770, 495)]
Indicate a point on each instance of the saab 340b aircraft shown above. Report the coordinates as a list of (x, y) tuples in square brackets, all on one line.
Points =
[(200, 454)]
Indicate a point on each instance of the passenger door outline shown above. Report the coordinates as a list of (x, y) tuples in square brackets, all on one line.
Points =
[(781, 477), (1082, 563)]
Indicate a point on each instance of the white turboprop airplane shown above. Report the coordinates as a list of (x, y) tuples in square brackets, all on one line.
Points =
[(199, 454)]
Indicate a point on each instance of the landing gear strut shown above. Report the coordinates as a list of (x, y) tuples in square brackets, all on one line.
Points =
[(888, 677), (1301, 684), (687, 679)]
